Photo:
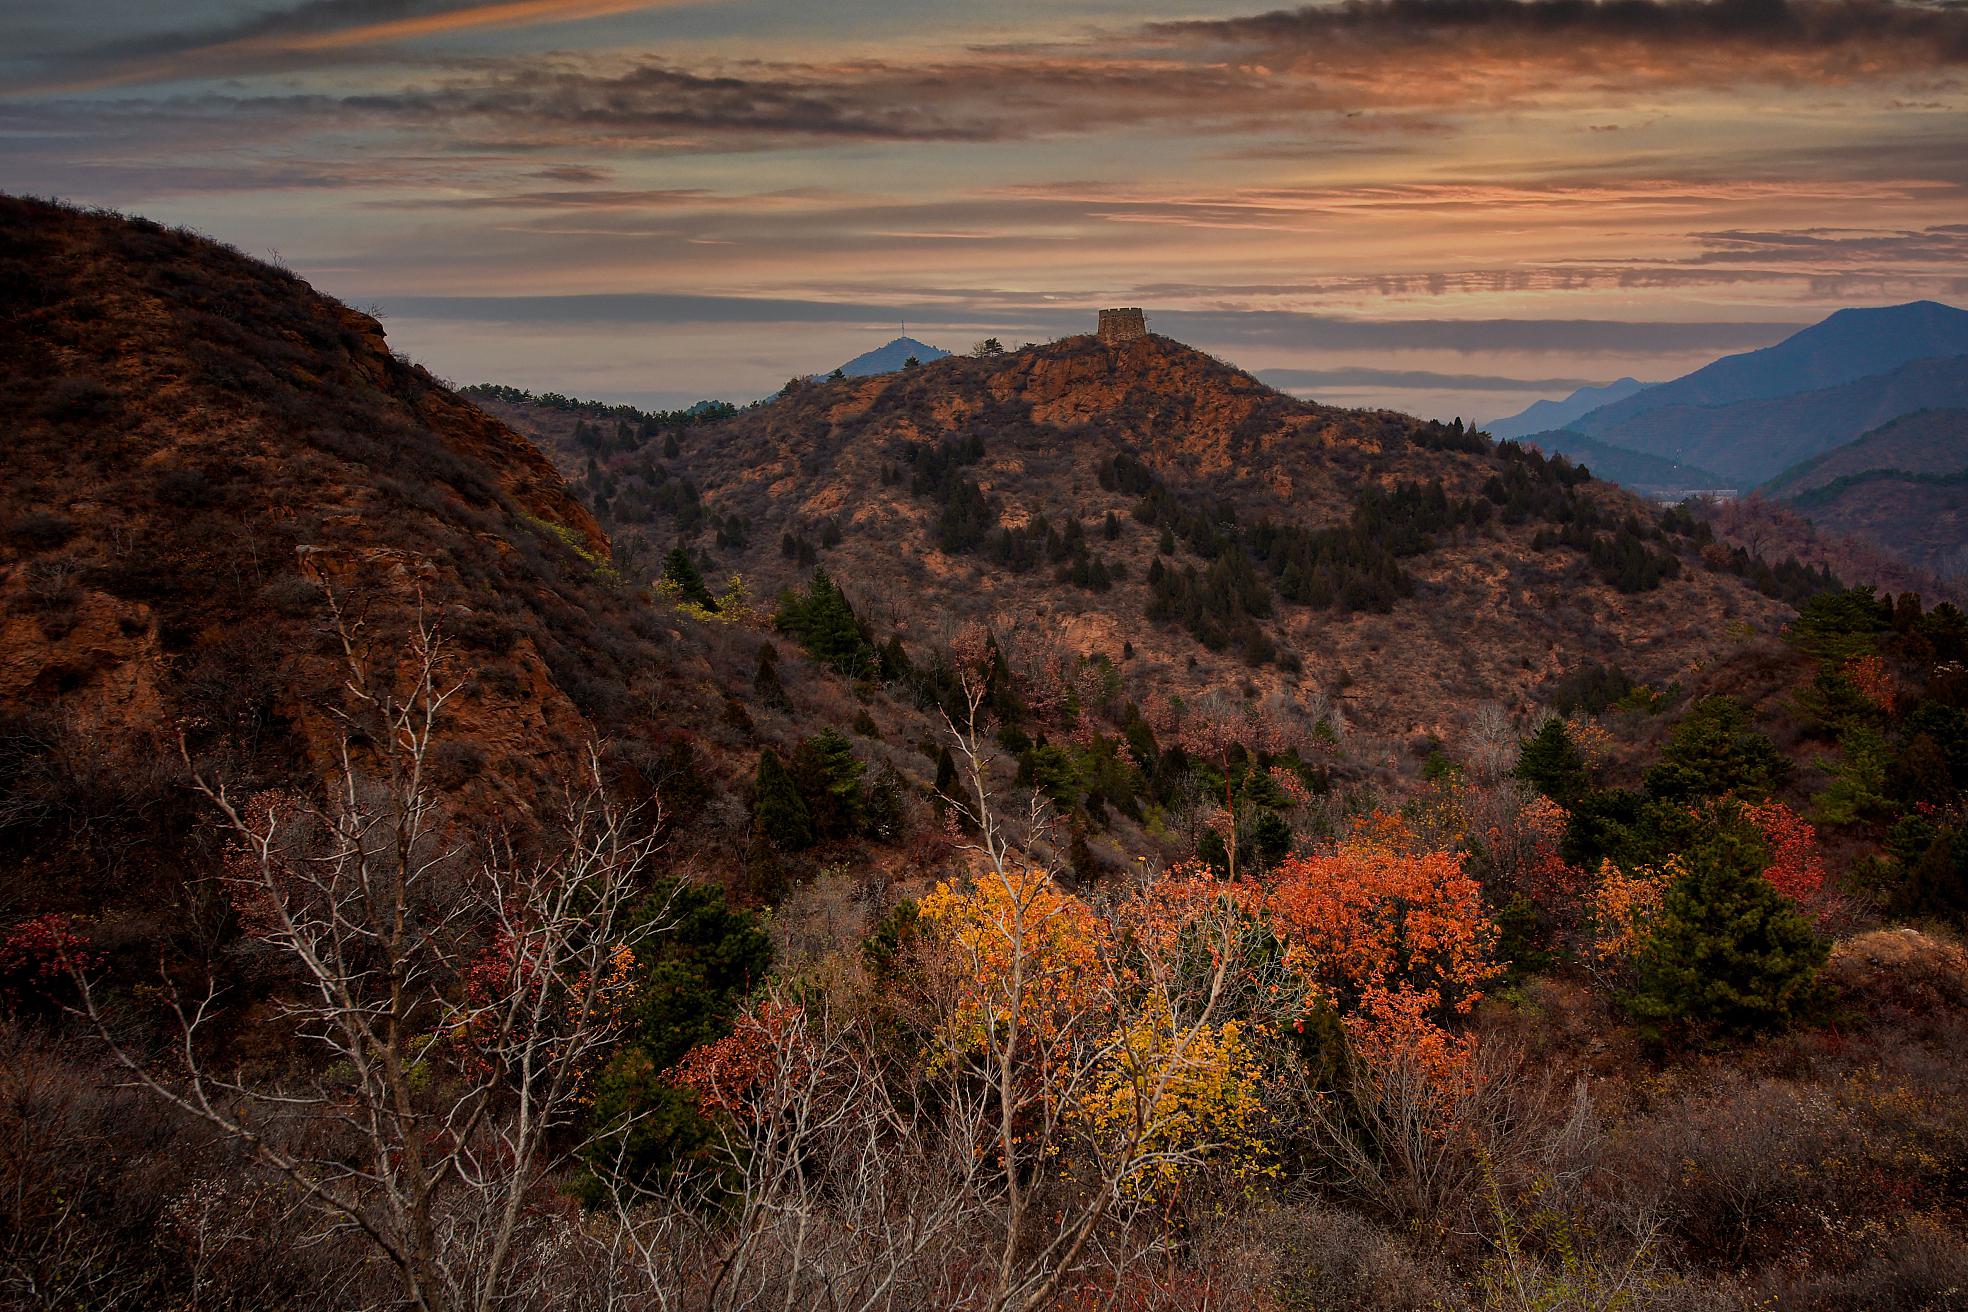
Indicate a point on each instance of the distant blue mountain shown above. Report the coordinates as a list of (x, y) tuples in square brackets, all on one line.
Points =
[(887, 359), (1650, 476), (1750, 442), (1850, 345), (1544, 416)]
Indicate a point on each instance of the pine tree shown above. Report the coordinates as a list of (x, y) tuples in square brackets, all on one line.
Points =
[(827, 626), (765, 682), (1728, 948), (1551, 763), (894, 659), (777, 808), (882, 808), (681, 570), (1716, 750), (828, 777), (947, 784)]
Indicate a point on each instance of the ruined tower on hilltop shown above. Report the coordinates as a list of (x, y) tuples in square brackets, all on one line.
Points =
[(1117, 326)]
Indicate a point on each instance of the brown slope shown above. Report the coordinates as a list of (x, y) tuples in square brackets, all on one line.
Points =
[(1493, 617), (200, 450)]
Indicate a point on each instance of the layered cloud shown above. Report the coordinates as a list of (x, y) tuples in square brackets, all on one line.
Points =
[(1507, 195)]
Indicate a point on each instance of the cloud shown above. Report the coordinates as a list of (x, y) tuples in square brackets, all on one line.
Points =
[(311, 33), (1853, 34), (1415, 380), (1270, 328)]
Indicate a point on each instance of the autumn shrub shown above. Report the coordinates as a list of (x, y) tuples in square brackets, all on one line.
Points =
[(1400, 944)]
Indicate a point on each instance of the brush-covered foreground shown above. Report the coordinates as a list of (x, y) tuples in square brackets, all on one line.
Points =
[(407, 904)]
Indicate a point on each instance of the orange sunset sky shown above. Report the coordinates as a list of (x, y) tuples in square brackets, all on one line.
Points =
[(1444, 206)]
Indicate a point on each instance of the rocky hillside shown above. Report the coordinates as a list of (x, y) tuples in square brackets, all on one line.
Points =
[(204, 457), (1155, 505)]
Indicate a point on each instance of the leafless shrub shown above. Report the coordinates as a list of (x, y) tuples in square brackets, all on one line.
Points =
[(448, 1014)]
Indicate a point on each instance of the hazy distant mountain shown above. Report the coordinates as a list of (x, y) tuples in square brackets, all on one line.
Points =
[(887, 359), (1544, 416), (1748, 442), (1850, 345), (1903, 486), (1648, 475)]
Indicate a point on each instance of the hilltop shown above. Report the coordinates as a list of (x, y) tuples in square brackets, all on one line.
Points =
[(1159, 507), (889, 357)]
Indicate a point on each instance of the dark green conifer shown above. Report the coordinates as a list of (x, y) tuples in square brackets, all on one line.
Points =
[(1551, 763), (777, 808), (681, 570), (828, 777), (1728, 948), (765, 682), (882, 808), (1716, 750)]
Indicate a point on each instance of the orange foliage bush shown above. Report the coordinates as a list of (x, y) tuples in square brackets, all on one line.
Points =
[(1873, 680), (1796, 866), (726, 1074), (1398, 943), (1623, 907)]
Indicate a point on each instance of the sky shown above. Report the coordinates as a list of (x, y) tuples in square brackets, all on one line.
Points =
[(1449, 207)]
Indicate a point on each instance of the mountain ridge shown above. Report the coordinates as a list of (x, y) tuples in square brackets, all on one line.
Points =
[(1750, 441), (1846, 345), (1551, 415)]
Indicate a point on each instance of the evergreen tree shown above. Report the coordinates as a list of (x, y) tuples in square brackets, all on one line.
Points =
[(765, 682), (681, 570), (1080, 858), (1270, 838), (1551, 763), (1937, 879), (777, 808), (895, 662), (828, 777), (826, 626), (882, 809), (1716, 750), (947, 783), (1728, 948)]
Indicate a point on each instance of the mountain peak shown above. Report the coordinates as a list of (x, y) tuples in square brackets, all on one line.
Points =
[(890, 356), (1851, 344)]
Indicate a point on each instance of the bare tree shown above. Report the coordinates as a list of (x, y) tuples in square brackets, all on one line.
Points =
[(1490, 742), (446, 1014), (1040, 1037), (840, 1181)]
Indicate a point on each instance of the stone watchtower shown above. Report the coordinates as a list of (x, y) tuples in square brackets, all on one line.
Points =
[(1117, 326)]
